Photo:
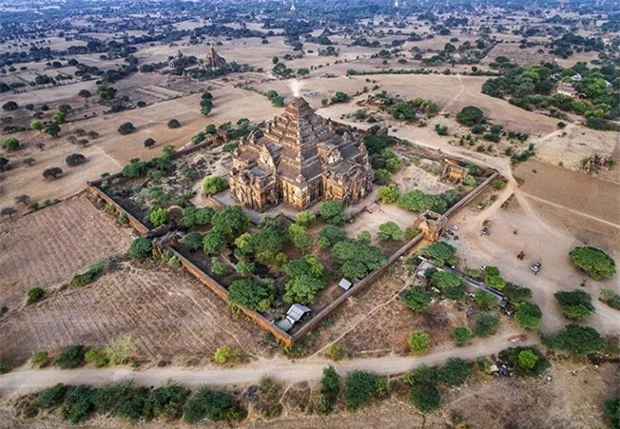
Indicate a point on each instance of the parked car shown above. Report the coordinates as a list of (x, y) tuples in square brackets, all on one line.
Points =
[(535, 267)]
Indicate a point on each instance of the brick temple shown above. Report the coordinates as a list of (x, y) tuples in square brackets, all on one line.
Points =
[(299, 159)]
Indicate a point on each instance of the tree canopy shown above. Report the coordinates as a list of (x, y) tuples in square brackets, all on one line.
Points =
[(253, 294), (528, 316), (417, 298), (449, 284), (470, 116), (575, 339), (576, 304), (333, 212), (594, 262), (441, 253), (359, 388), (357, 259)]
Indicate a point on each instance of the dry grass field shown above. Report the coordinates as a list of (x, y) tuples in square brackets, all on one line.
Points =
[(167, 312), (47, 247)]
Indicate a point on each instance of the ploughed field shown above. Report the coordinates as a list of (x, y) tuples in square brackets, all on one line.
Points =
[(47, 247)]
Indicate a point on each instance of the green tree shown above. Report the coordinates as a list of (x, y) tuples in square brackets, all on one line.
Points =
[(575, 339), (419, 342), (594, 262), (158, 216), (527, 359), (11, 144), (612, 412), (357, 259), (299, 238), (141, 248), (454, 371), (484, 300), (53, 129), (214, 184), (218, 268), (528, 316), (166, 401), (462, 335), (390, 231), (449, 284), (340, 97), (441, 253), (35, 294), (222, 354), (40, 359), (36, 125), (204, 402), (516, 293), (305, 218), (359, 388), (105, 91), (485, 325), (303, 289), (425, 397), (52, 173), (470, 116), (389, 194), (417, 298), (193, 240), (60, 117), (245, 268), (333, 212), (575, 305), (330, 235), (493, 278), (213, 242), (252, 294), (230, 221)]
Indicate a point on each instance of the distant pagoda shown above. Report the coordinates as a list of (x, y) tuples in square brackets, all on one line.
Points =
[(299, 159)]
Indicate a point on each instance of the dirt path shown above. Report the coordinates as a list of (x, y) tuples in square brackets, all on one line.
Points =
[(30, 380)]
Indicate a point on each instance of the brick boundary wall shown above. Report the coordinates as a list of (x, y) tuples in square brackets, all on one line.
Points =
[(260, 320)]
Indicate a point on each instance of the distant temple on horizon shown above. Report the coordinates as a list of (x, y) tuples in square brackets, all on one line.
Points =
[(299, 159)]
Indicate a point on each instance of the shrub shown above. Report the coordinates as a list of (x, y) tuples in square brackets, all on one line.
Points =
[(40, 359), (528, 316), (35, 294), (333, 212), (213, 242), (454, 372), (359, 388), (470, 116), (594, 262), (612, 412), (141, 249), (222, 355), (336, 352), (52, 396), (214, 184), (493, 278), (75, 159), (575, 305), (425, 397), (527, 361), (97, 356), (418, 342), (121, 349), (611, 298), (52, 173), (212, 404), (11, 144), (166, 401), (417, 298), (77, 405), (330, 381), (158, 216), (126, 128), (173, 123), (485, 325), (484, 300), (389, 194), (575, 339), (323, 405), (462, 335), (149, 143), (516, 293), (71, 357)]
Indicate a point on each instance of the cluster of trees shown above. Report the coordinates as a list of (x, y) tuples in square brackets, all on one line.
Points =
[(576, 304), (206, 103), (531, 87), (409, 110), (127, 401), (418, 201), (275, 98), (527, 361), (594, 262), (575, 339)]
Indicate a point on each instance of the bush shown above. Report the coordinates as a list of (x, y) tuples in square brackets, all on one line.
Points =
[(212, 404), (470, 116), (516, 293), (213, 242), (52, 173), (611, 298), (214, 184), (612, 412), (71, 357), (575, 339), (323, 405), (336, 352), (222, 355), (333, 212), (390, 231), (359, 388), (158, 216), (40, 359), (594, 262), (75, 159), (173, 123), (417, 298), (484, 300), (126, 128), (454, 372), (121, 349), (389, 194), (485, 325), (425, 397), (166, 401), (77, 405), (575, 305), (462, 335), (330, 381), (419, 342), (141, 249), (527, 361), (52, 396), (528, 316), (11, 144), (35, 294), (97, 356)]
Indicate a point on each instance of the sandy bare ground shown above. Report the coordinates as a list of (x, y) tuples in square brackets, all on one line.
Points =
[(168, 313), (47, 247)]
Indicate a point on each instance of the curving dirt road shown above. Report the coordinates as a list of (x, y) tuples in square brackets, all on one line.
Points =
[(30, 380)]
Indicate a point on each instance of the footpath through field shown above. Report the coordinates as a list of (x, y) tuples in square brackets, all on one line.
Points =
[(287, 371)]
